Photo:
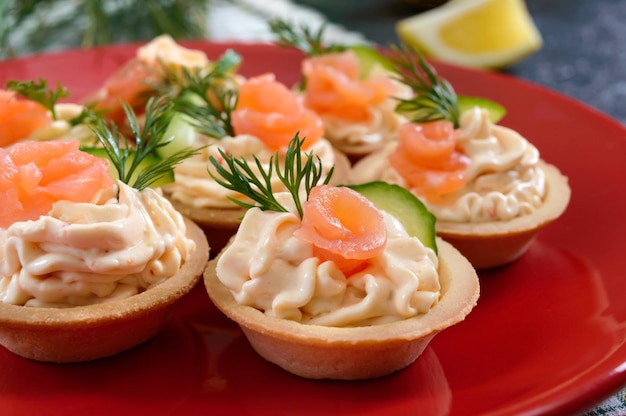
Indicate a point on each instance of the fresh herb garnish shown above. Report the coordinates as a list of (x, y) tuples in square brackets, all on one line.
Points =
[(434, 99), (211, 112), (39, 92), (87, 116), (175, 82), (208, 98), (303, 38), (238, 175), (126, 157)]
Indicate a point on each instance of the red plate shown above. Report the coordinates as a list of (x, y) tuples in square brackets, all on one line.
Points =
[(547, 336)]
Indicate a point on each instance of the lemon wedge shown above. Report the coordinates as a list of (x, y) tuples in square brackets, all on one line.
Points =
[(474, 33)]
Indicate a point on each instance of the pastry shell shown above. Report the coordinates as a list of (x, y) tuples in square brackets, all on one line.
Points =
[(84, 333), (496, 243), (320, 352)]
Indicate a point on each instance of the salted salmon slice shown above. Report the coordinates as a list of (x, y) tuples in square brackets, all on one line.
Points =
[(333, 87), (272, 112), (34, 175), (426, 157), (130, 83), (20, 117), (343, 226)]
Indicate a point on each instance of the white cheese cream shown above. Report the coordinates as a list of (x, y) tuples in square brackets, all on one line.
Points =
[(269, 269), (87, 253), (62, 128), (195, 187), (363, 137), (504, 179)]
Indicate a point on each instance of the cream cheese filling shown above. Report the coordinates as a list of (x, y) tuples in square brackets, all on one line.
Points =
[(195, 187), (267, 268), (504, 179), (87, 253)]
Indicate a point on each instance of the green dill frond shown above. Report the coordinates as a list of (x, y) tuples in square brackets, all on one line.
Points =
[(175, 82), (302, 37), (434, 99), (238, 176), (128, 156), (39, 92), (211, 113), (297, 174), (208, 98), (87, 116)]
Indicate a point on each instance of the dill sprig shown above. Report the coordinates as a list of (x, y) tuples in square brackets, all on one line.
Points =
[(174, 82), (207, 98), (210, 110), (88, 115), (39, 92), (238, 175), (127, 156), (434, 99), (302, 37)]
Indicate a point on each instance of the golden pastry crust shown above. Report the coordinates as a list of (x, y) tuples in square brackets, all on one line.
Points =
[(220, 224), (495, 243), (85, 333), (320, 352)]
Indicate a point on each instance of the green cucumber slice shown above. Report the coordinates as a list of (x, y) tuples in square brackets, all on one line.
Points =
[(183, 136), (144, 164), (406, 207), (496, 111), (369, 57)]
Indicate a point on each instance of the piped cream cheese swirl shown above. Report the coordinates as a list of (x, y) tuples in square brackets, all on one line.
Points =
[(332, 83), (363, 137), (195, 187), (86, 253), (503, 179), (268, 268), (62, 128)]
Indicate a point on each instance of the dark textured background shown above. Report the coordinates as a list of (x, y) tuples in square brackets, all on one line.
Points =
[(583, 56)]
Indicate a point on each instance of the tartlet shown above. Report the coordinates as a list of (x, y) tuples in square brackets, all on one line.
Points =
[(464, 215), (351, 87), (264, 118), (358, 111), (93, 258), (83, 333), (486, 184), (320, 352), (496, 243), (334, 281)]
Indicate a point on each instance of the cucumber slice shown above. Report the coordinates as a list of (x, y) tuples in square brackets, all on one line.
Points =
[(183, 133), (368, 58), (144, 164), (406, 207), (496, 111)]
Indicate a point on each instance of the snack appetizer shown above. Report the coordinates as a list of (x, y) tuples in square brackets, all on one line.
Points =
[(91, 265), (334, 282), (485, 183), (251, 121), (155, 68), (30, 110), (350, 87)]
